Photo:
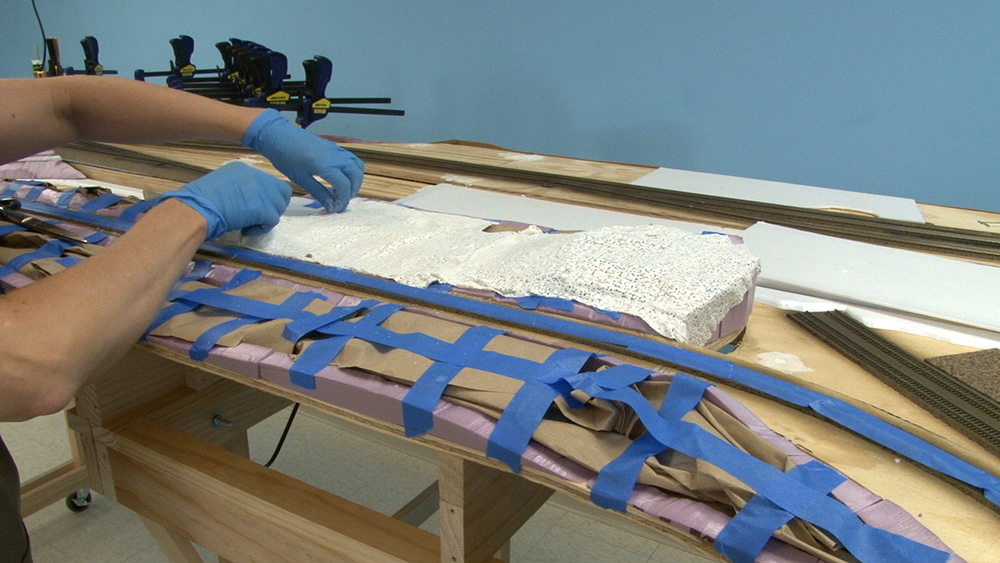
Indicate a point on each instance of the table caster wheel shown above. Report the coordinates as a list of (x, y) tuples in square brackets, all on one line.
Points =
[(77, 502)]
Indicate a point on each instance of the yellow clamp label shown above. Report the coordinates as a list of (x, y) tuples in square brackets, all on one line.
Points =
[(278, 97), (188, 71), (321, 105)]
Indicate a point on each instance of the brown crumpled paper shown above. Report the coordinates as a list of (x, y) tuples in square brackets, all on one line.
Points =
[(593, 435)]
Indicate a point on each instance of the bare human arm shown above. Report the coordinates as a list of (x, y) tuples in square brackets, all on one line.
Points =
[(41, 114), (57, 331), (60, 329)]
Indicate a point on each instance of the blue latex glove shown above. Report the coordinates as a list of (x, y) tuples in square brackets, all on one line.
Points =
[(300, 155), (236, 196)]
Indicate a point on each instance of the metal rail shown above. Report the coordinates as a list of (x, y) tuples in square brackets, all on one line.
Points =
[(961, 406)]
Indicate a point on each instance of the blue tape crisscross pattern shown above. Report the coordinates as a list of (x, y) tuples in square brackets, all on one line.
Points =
[(784, 491), (51, 249)]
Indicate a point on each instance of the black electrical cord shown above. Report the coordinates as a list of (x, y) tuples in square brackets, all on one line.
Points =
[(281, 441), (45, 50)]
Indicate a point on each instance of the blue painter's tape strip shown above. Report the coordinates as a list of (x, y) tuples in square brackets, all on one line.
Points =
[(301, 326), (871, 427), (535, 301), (748, 532), (51, 249), (34, 193), (419, 402), (618, 377), (67, 261), (868, 544), (423, 396), (317, 356), (65, 199), (241, 277), (438, 287), (525, 411), (321, 353), (102, 201), (683, 395), (616, 480), (132, 213), (204, 343), (95, 237), (169, 312), (176, 308), (11, 189), (518, 422), (8, 229), (246, 306), (609, 314), (199, 270)]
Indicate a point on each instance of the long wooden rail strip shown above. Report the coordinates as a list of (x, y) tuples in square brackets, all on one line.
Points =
[(889, 232), (952, 400), (925, 237)]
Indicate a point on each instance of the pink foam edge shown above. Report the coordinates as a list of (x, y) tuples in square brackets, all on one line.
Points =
[(372, 396)]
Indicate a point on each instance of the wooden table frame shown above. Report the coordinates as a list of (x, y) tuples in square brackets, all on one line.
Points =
[(147, 441)]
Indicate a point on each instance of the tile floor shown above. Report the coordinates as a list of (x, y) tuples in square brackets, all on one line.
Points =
[(324, 453)]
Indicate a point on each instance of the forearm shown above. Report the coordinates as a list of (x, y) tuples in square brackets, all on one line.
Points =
[(43, 113), (69, 325)]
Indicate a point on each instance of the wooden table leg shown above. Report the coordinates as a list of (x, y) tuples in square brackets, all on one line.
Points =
[(175, 547), (482, 508)]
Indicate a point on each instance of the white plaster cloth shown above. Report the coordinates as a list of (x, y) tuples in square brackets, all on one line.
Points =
[(682, 285)]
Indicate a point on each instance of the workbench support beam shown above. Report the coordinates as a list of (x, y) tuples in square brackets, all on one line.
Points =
[(481, 508), (246, 512), (174, 547)]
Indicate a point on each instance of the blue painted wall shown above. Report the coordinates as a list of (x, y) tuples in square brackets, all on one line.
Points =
[(885, 97)]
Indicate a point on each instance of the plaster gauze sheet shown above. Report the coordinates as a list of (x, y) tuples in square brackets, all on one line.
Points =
[(682, 285)]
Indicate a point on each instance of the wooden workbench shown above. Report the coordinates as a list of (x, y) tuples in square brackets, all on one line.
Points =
[(146, 438)]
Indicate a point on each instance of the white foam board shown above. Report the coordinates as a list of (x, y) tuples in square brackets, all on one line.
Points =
[(877, 276), (447, 198), (781, 193), (888, 320)]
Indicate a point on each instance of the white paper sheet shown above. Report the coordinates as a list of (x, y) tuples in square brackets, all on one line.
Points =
[(889, 278), (781, 193), (446, 198), (116, 189)]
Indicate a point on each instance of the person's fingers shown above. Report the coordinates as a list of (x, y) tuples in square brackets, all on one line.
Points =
[(255, 230), (356, 174), (341, 187), (320, 192)]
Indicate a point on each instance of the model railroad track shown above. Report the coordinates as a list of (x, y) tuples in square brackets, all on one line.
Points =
[(961, 406), (947, 241)]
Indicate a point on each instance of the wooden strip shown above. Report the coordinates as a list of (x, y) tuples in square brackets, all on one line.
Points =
[(138, 378), (173, 546), (245, 512), (52, 486), (420, 507), (239, 406), (95, 456), (482, 508)]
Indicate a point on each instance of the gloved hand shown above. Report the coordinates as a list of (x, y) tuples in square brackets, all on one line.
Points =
[(236, 196), (300, 155)]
